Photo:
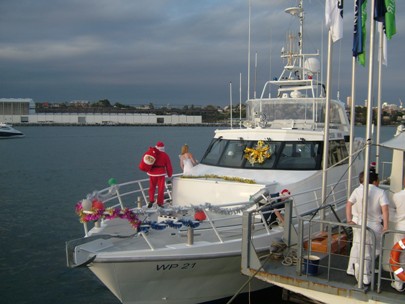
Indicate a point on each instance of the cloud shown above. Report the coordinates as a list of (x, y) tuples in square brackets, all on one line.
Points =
[(177, 51)]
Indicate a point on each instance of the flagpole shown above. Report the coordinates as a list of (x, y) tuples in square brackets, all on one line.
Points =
[(327, 118), (380, 60), (240, 100), (248, 71), (367, 148), (230, 102), (352, 121)]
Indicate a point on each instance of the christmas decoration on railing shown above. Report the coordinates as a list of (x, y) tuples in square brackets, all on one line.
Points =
[(258, 154), (94, 210), (146, 225), (227, 210), (227, 178)]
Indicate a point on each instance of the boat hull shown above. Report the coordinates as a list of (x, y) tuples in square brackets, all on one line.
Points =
[(7, 131), (5, 135), (178, 280)]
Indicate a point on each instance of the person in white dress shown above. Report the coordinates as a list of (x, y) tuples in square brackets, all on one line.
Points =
[(187, 160), (399, 205), (377, 213)]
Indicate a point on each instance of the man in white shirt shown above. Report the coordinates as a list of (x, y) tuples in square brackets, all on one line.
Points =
[(377, 220)]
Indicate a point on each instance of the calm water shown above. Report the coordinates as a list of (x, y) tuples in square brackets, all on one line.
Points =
[(43, 175)]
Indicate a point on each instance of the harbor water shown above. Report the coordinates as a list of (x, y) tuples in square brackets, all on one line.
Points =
[(43, 176)]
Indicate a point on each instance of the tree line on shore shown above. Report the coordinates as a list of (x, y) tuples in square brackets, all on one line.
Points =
[(209, 113)]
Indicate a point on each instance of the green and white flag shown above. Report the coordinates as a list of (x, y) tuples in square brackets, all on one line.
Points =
[(390, 27)]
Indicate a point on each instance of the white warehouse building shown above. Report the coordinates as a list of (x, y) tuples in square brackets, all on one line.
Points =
[(22, 110)]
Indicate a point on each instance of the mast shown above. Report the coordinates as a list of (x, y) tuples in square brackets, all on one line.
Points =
[(300, 38), (248, 76)]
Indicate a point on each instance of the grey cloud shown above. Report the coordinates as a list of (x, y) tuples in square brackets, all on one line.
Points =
[(177, 51)]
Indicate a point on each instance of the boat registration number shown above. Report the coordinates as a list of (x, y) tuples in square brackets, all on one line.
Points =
[(184, 266)]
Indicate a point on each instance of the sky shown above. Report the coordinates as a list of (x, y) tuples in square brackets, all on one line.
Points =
[(169, 52)]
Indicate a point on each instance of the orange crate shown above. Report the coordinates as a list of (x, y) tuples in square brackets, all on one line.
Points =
[(320, 243)]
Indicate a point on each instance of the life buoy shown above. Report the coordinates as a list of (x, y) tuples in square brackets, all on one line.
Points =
[(394, 259)]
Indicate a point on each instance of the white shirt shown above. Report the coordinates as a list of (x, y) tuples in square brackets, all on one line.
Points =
[(376, 199)]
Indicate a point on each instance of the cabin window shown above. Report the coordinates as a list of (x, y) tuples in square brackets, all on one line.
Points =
[(299, 156), (337, 153), (283, 155), (214, 152), (233, 154)]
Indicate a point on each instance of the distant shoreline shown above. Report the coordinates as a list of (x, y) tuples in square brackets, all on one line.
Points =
[(120, 125), (148, 125)]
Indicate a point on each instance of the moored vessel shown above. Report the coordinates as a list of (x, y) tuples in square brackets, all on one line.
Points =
[(190, 250)]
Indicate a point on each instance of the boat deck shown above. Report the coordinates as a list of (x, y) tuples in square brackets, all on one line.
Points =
[(324, 278), (332, 280)]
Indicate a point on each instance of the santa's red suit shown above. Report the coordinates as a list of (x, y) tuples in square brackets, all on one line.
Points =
[(157, 173)]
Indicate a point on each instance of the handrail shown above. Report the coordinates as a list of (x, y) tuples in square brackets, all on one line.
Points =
[(331, 227), (129, 195), (385, 246)]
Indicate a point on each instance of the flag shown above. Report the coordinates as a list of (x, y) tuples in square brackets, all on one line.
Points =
[(359, 33), (384, 45), (334, 18), (385, 12), (390, 28), (379, 10)]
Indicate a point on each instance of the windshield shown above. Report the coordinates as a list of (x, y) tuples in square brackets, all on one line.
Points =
[(275, 155), (264, 154)]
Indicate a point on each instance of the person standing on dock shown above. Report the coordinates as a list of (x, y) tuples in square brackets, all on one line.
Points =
[(399, 205), (377, 213), (157, 175)]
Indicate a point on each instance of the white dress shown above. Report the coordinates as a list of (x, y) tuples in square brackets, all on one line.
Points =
[(187, 165)]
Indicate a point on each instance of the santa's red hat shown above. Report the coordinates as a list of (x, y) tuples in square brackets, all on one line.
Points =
[(285, 192), (160, 146)]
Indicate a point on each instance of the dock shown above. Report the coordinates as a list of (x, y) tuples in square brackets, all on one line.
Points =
[(325, 281)]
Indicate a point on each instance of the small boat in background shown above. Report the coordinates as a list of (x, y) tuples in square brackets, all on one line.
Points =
[(7, 131)]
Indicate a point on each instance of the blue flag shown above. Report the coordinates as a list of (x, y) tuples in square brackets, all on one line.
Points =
[(379, 10), (359, 32)]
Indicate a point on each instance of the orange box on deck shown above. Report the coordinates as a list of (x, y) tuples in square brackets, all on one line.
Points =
[(320, 243)]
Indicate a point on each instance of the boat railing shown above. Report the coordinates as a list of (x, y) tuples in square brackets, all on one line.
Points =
[(131, 191), (322, 254), (310, 201), (390, 249), (333, 244), (222, 219), (330, 246), (133, 196), (127, 195)]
